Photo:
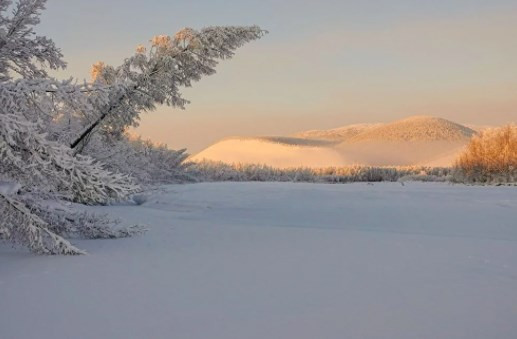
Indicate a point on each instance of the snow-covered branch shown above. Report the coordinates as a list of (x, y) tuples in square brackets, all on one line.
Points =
[(155, 76), (20, 47)]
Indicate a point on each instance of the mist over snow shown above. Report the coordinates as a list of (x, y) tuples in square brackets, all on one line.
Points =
[(418, 140)]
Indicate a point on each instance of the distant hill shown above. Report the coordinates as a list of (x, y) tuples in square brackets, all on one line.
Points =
[(418, 128), (417, 140)]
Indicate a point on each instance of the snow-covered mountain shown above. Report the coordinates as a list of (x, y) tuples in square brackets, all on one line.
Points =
[(416, 129), (418, 140)]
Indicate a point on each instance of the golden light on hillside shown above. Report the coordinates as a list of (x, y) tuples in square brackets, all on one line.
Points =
[(97, 69)]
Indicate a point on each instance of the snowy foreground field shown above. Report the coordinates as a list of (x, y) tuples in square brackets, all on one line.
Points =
[(282, 260)]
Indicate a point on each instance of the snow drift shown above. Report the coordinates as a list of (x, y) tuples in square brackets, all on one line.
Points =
[(280, 260)]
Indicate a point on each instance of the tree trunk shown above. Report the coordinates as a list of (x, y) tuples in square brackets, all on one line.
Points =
[(88, 130)]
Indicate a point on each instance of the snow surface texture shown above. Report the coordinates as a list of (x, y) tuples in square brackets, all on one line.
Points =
[(282, 260), (8, 187), (415, 141)]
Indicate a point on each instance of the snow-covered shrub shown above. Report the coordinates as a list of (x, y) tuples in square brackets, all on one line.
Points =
[(219, 171), (491, 157), (147, 162)]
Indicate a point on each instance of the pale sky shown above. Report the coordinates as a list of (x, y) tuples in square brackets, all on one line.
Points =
[(324, 63)]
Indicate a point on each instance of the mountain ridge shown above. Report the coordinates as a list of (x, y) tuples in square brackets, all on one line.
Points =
[(417, 128)]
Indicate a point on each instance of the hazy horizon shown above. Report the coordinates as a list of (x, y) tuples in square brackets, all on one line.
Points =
[(323, 65)]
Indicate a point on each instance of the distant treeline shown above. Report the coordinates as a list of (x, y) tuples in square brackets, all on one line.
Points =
[(218, 171)]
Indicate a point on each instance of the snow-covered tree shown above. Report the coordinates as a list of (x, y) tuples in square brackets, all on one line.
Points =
[(40, 118), (154, 75), (37, 170), (46, 166), (34, 169)]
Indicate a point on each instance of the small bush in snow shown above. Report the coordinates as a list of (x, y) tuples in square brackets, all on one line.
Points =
[(147, 162), (491, 157)]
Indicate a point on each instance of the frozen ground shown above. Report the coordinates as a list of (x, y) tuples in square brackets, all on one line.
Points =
[(280, 260)]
